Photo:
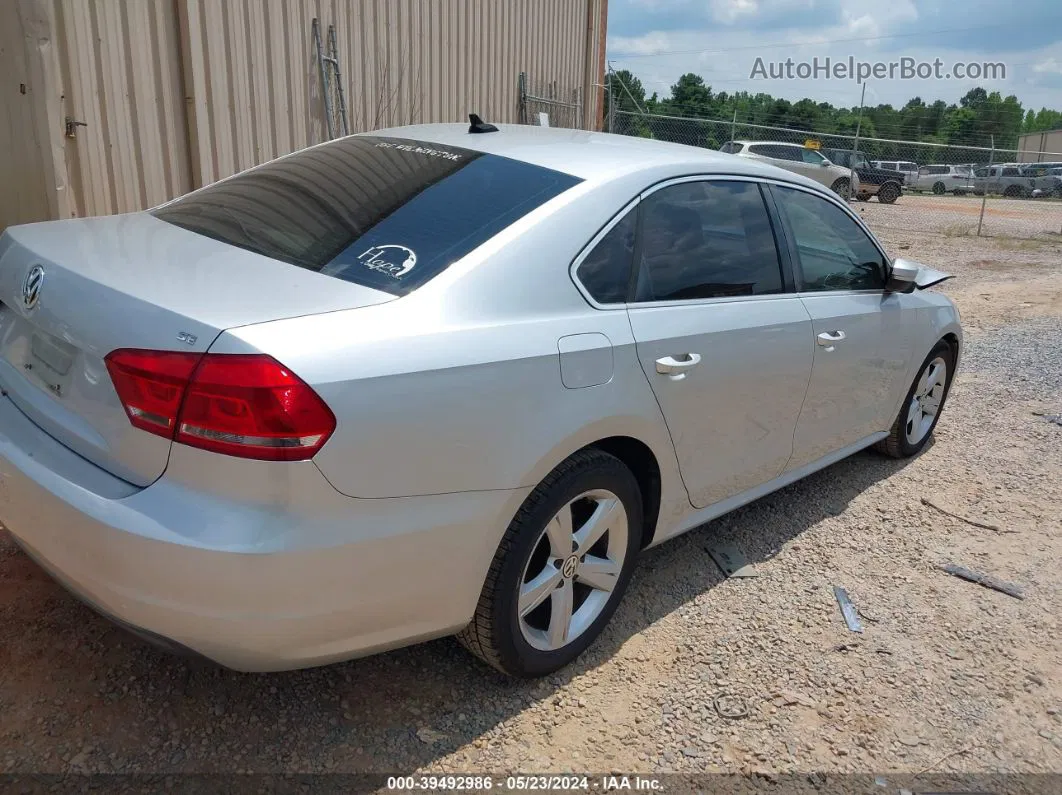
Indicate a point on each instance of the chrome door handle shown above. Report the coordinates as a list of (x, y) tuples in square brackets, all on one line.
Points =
[(827, 339), (677, 367)]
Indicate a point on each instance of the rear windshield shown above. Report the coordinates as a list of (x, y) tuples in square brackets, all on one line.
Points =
[(386, 213)]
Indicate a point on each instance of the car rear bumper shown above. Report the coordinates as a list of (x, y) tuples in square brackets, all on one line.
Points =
[(264, 568)]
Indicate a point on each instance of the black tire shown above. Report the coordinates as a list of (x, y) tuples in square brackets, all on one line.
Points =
[(938, 188), (888, 193), (494, 634), (842, 187), (896, 444)]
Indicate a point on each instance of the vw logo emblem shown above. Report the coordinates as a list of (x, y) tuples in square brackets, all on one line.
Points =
[(571, 565), (31, 287)]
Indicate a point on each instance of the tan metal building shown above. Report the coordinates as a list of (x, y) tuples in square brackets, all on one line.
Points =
[(1040, 147), (110, 106)]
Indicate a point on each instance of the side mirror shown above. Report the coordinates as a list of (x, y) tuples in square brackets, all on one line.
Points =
[(825, 163), (902, 276)]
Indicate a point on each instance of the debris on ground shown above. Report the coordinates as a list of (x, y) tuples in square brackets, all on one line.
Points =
[(848, 610), (961, 518), (729, 558), (986, 580), (730, 705)]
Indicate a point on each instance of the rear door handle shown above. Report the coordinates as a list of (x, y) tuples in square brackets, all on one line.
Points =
[(828, 339), (676, 367)]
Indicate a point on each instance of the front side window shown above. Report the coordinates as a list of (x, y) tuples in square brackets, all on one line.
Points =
[(834, 252), (386, 213), (811, 156), (606, 270), (706, 240)]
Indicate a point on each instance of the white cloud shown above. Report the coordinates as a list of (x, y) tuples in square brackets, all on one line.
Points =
[(1048, 66), (729, 11)]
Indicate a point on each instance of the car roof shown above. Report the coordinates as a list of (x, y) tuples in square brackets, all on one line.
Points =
[(592, 156), (779, 143)]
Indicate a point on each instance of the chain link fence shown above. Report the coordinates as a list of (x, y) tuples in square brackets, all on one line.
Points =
[(946, 189), (546, 102)]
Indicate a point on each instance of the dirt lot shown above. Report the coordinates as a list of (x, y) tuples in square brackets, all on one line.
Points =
[(948, 675), (959, 215)]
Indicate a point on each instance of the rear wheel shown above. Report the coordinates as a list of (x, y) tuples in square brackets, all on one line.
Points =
[(938, 188), (921, 408), (842, 188), (888, 193), (561, 568), (1012, 192)]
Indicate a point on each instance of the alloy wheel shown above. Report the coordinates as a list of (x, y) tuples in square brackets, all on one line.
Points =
[(926, 400), (573, 570)]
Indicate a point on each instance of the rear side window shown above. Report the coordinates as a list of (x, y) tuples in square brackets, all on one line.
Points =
[(606, 270), (386, 213), (707, 240)]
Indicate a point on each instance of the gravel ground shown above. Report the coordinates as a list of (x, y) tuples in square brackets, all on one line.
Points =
[(959, 216), (948, 676)]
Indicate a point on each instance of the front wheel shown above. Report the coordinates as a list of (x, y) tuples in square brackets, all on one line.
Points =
[(561, 568), (921, 408), (842, 188), (938, 188), (888, 193)]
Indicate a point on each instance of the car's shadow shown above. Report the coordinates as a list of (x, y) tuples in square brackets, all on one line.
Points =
[(415, 704)]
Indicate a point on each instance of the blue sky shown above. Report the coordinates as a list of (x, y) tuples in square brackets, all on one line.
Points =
[(720, 40)]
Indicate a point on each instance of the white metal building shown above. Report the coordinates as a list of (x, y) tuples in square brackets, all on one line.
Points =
[(116, 105)]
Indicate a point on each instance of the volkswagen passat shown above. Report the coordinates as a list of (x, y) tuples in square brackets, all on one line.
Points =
[(439, 380)]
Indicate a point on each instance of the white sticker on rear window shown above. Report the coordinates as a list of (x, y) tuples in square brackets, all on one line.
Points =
[(394, 260), (419, 150)]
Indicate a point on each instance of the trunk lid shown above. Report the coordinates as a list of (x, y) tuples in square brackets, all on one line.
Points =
[(73, 291)]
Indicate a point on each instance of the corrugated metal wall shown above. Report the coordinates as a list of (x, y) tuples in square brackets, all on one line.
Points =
[(251, 68), (32, 168), (121, 71), (175, 94)]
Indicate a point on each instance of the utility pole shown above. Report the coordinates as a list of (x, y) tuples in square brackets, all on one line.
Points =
[(611, 103), (855, 145)]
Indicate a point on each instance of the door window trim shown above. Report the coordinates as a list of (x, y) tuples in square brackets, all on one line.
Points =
[(792, 277)]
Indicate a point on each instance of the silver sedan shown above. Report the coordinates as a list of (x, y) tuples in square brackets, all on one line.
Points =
[(439, 380)]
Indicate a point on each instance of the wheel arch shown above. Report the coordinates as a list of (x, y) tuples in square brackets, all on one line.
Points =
[(639, 458), (645, 448)]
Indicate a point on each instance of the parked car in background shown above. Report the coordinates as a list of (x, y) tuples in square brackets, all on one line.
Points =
[(1045, 180), (1005, 179), (905, 167), (886, 185), (800, 160), (440, 380), (942, 179)]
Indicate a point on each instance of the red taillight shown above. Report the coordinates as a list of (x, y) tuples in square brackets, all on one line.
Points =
[(150, 385), (246, 405)]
